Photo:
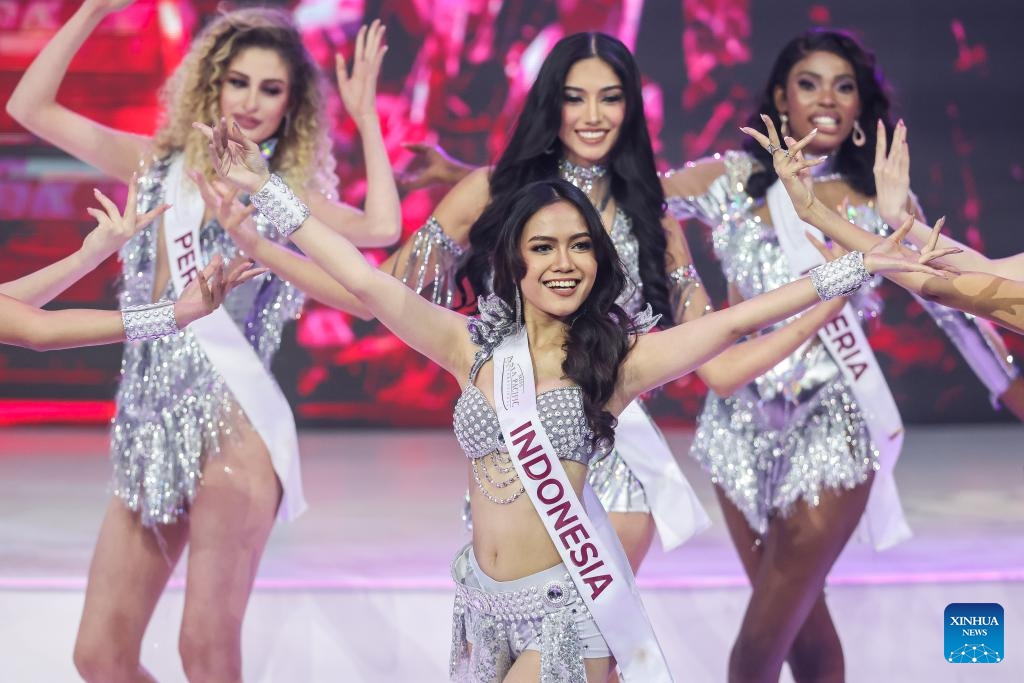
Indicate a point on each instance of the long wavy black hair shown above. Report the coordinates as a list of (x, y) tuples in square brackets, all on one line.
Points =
[(852, 161), (600, 334), (534, 150)]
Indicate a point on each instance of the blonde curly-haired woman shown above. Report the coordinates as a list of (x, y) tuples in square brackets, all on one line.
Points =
[(196, 459)]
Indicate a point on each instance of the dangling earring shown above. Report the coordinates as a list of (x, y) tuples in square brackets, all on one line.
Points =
[(783, 124), (858, 137), (519, 311)]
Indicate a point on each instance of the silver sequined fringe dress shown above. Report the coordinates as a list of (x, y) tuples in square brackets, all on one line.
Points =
[(796, 430), (173, 407)]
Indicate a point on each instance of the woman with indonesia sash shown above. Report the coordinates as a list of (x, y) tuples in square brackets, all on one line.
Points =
[(544, 591), (583, 121), (203, 447)]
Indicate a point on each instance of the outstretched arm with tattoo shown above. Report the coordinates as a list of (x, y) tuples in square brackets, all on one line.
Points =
[(983, 294), (892, 181)]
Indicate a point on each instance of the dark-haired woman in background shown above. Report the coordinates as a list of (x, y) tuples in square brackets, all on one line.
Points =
[(801, 454)]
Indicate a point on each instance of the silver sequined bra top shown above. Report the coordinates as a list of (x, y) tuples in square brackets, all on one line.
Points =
[(561, 413), (560, 410)]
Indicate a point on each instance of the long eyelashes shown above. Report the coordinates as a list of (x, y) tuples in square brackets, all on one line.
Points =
[(547, 248), (608, 99), (846, 88), (240, 84)]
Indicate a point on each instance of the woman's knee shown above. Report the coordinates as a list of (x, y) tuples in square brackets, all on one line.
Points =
[(756, 656), (207, 655), (105, 660)]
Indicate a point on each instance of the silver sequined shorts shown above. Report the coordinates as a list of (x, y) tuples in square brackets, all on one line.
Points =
[(767, 455), (496, 621), (616, 486)]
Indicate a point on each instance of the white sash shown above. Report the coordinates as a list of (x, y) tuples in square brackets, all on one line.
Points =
[(677, 512), (883, 522), (229, 352), (587, 543)]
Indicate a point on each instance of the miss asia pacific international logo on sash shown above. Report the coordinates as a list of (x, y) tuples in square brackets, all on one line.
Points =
[(974, 633)]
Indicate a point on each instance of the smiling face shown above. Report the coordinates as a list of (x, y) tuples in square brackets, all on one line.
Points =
[(558, 255), (254, 92), (821, 92), (593, 108)]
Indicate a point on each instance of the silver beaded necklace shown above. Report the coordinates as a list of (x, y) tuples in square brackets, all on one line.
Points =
[(582, 177)]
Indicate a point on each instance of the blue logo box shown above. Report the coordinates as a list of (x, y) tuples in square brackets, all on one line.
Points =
[(974, 633)]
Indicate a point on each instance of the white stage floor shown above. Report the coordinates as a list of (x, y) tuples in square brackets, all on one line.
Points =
[(358, 588)]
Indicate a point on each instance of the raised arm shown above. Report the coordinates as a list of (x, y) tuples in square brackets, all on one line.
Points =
[(33, 104), (380, 223), (436, 332), (25, 325), (459, 207), (236, 219), (661, 357), (742, 362), (987, 295), (458, 210), (110, 234), (892, 180)]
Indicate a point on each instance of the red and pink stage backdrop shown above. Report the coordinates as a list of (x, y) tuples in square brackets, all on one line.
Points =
[(457, 73)]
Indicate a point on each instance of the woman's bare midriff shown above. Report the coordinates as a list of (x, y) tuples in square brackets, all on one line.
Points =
[(510, 541)]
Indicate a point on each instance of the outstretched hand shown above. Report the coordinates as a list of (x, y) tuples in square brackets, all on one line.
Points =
[(233, 216), (114, 227), (204, 294), (359, 91), (891, 255), (892, 174), (235, 157), (790, 164), (430, 165)]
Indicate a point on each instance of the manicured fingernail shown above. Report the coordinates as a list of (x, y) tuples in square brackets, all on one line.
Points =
[(764, 117), (814, 132)]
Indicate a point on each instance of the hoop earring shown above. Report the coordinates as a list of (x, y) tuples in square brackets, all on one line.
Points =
[(783, 124), (859, 138)]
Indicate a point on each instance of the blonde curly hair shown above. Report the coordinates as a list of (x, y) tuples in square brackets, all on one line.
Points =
[(303, 154)]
